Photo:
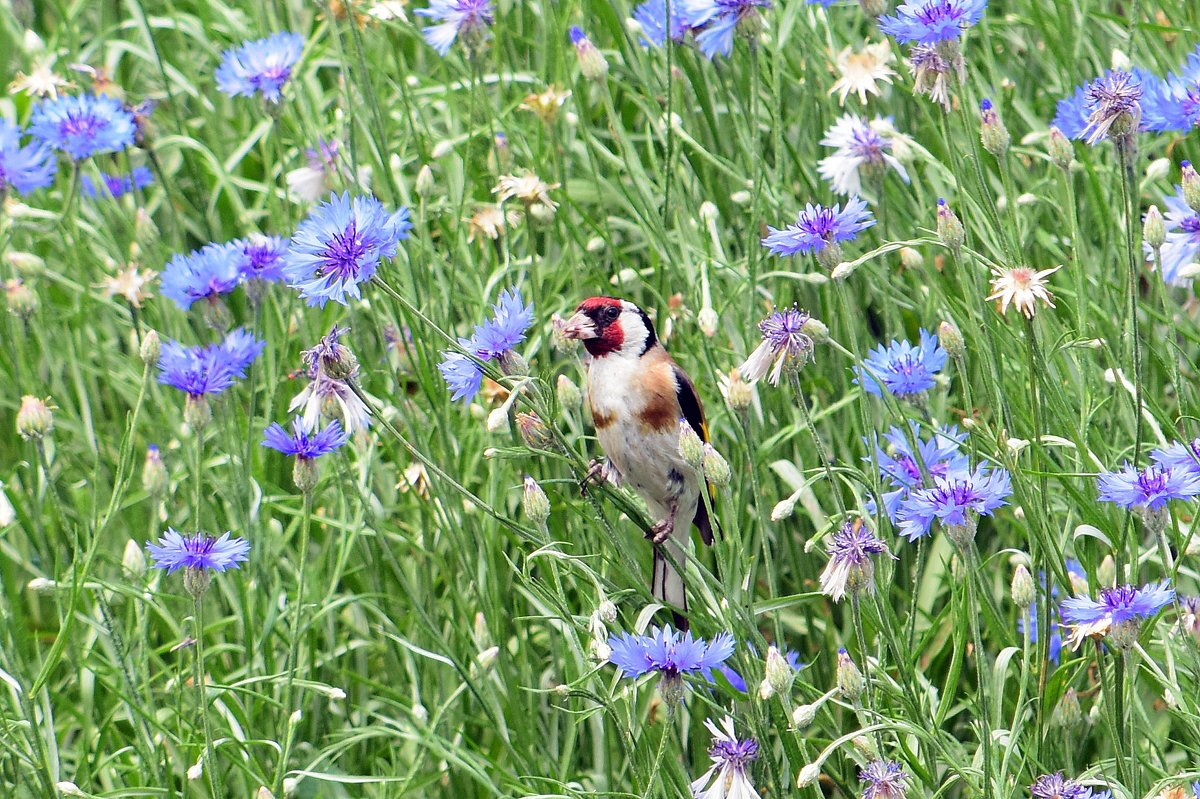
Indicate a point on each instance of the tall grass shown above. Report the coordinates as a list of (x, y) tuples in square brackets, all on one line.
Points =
[(444, 646)]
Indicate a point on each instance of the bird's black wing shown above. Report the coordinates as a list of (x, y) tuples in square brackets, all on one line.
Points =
[(693, 413)]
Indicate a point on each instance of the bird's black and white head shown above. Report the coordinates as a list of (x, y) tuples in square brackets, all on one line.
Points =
[(607, 325)]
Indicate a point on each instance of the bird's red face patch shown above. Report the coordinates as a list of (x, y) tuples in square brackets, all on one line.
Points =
[(605, 313)]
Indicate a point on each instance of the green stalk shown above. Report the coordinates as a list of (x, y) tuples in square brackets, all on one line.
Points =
[(210, 764), (294, 650)]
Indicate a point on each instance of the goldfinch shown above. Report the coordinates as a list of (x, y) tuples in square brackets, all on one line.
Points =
[(638, 395)]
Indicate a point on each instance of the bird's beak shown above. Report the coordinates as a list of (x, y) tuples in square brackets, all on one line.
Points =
[(580, 326)]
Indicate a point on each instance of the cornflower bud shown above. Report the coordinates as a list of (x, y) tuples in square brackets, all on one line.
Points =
[(151, 347), (690, 446), (1154, 230), (951, 339), (1061, 151), (949, 230), (1191, 186), (992, 134), (716, 468), (34, 419), (849, 678), (535, 503), (1022, 587), (592, 64)]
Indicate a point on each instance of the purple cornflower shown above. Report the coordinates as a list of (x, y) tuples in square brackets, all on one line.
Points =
[(731, 757), (850, 561), (25, 168), (956, 502), (932, 71), (260, 257), (717, 21), (1182, 244), (651, 16), (884, 779), (1173, 104), (939, 454), (261, 66), (1118, 613), (116, 186), (83, 125), (1107, 106), (1056, 786), (339, 246), (459, 18), (493, 340), (1149, 488), (302, 442), (818, 229), (863, 149), (932, 21), (903, 369), (1179, 455), (784, 341), (200, 551), (670, 653), (206, 273), (196, 371)]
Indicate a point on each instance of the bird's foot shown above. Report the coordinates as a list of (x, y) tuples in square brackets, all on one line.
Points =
[(596, 474), (661, 530)]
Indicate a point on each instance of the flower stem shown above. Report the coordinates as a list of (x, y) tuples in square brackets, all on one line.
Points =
[(210, 765), (297, 616)]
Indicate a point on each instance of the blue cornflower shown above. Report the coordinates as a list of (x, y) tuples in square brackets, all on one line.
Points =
[(510, 319), (670, 653), (493, 340), (302, 442), (462, 375), (1173, 104), (1149, 488), (260, 257), (940, 454), (196, 371), (206, 273), (199, 552), (1196, 788), (1056, 786), (951, 500), (340, 244), (932, 21), (719, 20), (459, 18), (116, 185), (238, 350), (1182, 244), (651, 16), (903, 369), (884, 779), (818, 228), (1183, 455), (1108, 105), (25, 168), (261, 66), (1118, 613), (83, 125)]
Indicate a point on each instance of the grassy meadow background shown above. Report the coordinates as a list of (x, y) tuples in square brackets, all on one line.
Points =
[(448, 644)]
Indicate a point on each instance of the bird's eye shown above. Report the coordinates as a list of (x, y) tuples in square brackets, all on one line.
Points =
[(611, 313)]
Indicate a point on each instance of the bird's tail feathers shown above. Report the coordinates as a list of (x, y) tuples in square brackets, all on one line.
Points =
[(667, 582)]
